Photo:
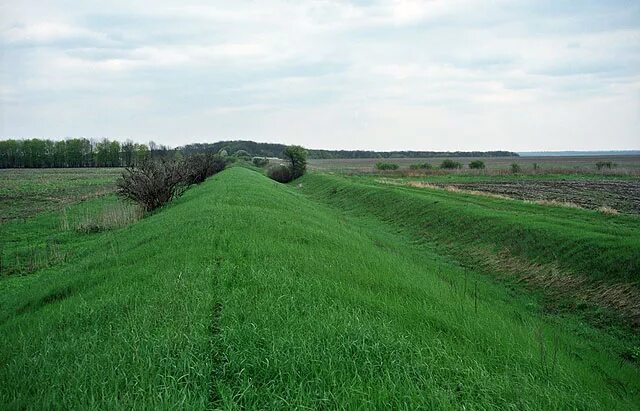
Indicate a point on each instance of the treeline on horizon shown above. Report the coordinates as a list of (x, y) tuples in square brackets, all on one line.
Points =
[(275, 150), (77, 152), (82, 152)]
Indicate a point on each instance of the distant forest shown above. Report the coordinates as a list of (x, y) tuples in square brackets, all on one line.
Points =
[(77, 152), (275, 150), (82, 152)]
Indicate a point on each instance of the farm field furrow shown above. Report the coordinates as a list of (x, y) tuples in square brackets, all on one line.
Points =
[(246, 293)]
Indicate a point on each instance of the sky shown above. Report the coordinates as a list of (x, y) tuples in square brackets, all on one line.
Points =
[(381, 75)]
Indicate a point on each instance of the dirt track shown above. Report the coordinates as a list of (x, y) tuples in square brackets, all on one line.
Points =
[(623, 196)]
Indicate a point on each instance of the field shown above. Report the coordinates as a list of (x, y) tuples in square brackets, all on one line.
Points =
[(618, 195), (342, 290), (593, 193), (569, 181), (625, 165), (26, 192)]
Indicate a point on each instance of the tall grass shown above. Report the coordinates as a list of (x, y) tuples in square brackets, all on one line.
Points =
[(245, 294), (602, 251), (90, 220), (578, 239)]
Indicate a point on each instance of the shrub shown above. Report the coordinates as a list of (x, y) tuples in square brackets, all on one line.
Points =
[(280, 173), (260, 161), (297, 157), (450, 164), (601, 165), (423, 166), (152, 184), (197, 167), (515, 168), (386, 166), (155, 183), (477, 165)]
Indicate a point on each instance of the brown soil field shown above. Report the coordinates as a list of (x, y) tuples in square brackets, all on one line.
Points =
[(623, 196)]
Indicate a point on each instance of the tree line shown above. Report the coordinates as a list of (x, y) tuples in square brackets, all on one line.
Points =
[(82, 152), (77, 152), (276, 150)]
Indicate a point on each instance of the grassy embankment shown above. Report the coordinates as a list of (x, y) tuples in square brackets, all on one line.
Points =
[(603, 246), (592, 255), (246, 293)]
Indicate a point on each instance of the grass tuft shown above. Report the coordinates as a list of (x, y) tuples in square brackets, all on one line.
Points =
[(108, 217)]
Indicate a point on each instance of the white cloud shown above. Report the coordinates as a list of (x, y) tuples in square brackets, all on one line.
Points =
[(464, 73), (48, 32)]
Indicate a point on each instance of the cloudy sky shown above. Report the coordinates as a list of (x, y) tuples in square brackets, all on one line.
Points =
[(431, 75)]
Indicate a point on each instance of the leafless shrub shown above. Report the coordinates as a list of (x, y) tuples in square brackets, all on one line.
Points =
[(153, 183), (280, 173), (199, 167)]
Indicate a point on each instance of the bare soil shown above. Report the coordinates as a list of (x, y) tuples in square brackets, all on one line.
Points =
[(623, 196)]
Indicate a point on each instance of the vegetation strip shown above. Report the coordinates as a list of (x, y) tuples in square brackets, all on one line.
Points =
[(600, 250), (225, 298)]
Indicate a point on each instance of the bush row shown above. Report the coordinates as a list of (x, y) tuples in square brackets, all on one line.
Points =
[(449, 164), (386, 166), (155, 183)]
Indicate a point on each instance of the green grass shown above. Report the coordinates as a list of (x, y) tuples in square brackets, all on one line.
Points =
[(27, 192), (245, 293), (27, 245), (604, 247)]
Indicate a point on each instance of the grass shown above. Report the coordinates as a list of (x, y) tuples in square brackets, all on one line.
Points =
[(583, 259), (32, 244), (89, 220), (605, 247), (245, 293), (27, 192)]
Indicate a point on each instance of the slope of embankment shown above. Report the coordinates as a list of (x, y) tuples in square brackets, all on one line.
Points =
[(582, 254), (245, 293)]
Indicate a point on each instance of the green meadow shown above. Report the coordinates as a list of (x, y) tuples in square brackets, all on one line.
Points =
[(331, 292)]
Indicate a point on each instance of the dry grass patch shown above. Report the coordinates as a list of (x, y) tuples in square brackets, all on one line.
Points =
[(422, 184), (622, 298), (554, 203), (608, 210), (109, 217)]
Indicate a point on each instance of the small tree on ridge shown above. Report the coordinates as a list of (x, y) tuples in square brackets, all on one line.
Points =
[(297, 157)]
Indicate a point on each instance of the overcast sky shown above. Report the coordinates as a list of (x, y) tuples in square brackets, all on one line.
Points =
[(384, 75)]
